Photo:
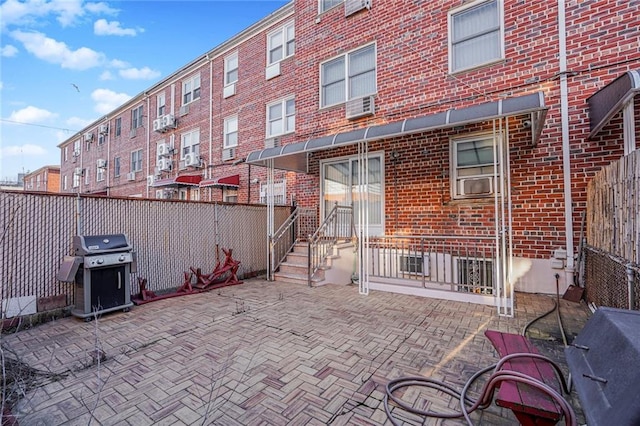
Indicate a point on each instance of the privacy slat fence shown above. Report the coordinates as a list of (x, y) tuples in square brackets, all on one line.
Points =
[(612, 253), (36, 232)]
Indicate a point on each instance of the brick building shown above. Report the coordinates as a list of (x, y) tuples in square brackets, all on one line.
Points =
[(45, 179), (463, 133)]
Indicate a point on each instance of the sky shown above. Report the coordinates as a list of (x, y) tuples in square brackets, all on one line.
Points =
[(65, 63)]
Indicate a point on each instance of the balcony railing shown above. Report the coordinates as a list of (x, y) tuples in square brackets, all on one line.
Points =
[(457, 263)]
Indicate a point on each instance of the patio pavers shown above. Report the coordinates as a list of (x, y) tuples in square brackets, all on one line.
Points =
[(266, 353)]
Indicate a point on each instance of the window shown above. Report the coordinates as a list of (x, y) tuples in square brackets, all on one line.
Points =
[(281, 117), (65, 183), (231, 69), (116, 166), (38, 181), (136, 161), (87, 174), (279, 193), (348, 76), (231, 131), (66, 153), (190, 143), (102, 137), (100, 173), (160, 101), (475, 35), (136, 117), (76, 180), (118, 126), (328, 4), (230, 195), (191, 89), (473, 167), (76, 148), (281, 44)]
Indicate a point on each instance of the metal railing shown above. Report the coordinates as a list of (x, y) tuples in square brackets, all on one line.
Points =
[(338, 226), (458, 263), (300, 223)]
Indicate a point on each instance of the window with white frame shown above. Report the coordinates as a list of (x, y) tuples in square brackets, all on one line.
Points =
[(136, 161), (328, 4), (281, 43), (76, 180), (191, 89), (160, 102), (230, 195), (118, 126), (475, 165), (475, 35), (76, 148), (65, 182), (231, 69), (348, 76), (231, 131), (190, 143), (38, 181), (66, 153), (136, 117), (100, 174), (87, 176), (116, 166), (279, 193), (281, 117)]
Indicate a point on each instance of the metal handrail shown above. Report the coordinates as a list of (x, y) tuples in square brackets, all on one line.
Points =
[(292, 230), (338, 225)]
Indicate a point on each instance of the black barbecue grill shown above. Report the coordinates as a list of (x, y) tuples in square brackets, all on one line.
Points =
[(101, 269)]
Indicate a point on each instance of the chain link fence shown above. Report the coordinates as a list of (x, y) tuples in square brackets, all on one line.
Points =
[(611, 281), (168, 238)]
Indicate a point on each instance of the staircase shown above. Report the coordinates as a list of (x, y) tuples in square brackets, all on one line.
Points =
[(294, 269)]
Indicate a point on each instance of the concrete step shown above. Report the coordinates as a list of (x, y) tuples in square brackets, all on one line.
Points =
[(296, 279), (297, 258), (293, 268)]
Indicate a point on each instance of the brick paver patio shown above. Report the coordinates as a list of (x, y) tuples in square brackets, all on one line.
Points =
[(265, 353)]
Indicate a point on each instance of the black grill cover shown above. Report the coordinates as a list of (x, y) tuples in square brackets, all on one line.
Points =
[(603, 361), (94, 244)]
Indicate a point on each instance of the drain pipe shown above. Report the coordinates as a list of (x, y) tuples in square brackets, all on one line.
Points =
[(566, 161)]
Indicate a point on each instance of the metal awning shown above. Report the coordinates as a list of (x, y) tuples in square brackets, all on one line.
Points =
[(609, 100), (228, 181), (184, 180), (293, 156)]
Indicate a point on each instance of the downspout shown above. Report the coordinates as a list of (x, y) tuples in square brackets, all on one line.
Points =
[(210, 169), (108, 169), (566, 161), (148, 136)]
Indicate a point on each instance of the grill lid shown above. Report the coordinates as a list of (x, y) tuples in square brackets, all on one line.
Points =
[(94, 244)]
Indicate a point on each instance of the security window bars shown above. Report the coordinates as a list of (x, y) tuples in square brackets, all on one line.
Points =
[(191, 89), (136, 117), (281, 44), (136, 161), (349, 76), (231, 69), (475, 35), (231, 131), (281, 117)]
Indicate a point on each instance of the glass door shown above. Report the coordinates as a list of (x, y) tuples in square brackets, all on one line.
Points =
[(340, 184)]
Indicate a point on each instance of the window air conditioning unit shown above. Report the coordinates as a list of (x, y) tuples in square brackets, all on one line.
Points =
[(101, 163), (131, 176), (88, 137), (476, 186), (360, 107), (192, 160), (184, 110), (168, 121), (103, 129), (157, 125), (151, 180), (353, 6), (76, 153), (228, 154), (163, 150), (78, 171), (164, 164), (272, 142)]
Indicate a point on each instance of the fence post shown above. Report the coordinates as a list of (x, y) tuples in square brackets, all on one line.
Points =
[(630, 286)]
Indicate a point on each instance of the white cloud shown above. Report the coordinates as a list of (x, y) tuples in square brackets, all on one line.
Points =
[(77, 123), (31, 114), (106, 75), (20, 150), (8, 51), (57, 52), (117, 63), (66, 12), (145, 73), (107, 100), (104, 28)]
